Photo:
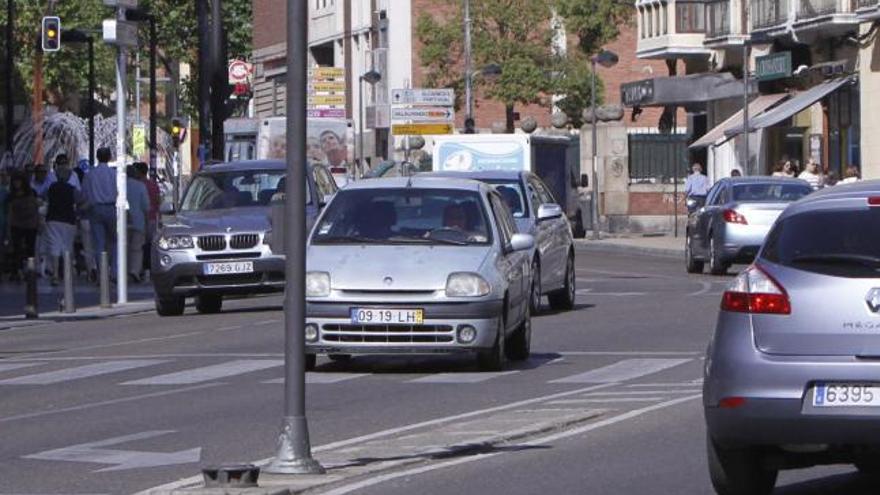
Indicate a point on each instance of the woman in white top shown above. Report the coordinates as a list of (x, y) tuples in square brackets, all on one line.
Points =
[(812, 176), (783, 169), (850, 175)]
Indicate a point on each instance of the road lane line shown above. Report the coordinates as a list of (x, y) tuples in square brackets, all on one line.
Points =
[(706, 287), (636, 393), (15, 366), (318, 378), (79, 372), (666, 384), (629, 353), (479, 457), (208, 373), (622, 371), (571, 402), (461, 377)]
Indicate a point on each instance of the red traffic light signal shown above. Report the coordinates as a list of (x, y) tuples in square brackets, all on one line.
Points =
[(51, 34)]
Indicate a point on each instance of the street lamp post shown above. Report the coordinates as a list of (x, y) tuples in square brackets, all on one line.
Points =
[(468, 75), (294, 454), (10, 122), (371, 77), (606, 59)]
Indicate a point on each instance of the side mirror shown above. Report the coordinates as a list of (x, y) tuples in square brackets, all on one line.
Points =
[(585, 180), (549, 211), (522, 242), (167, 208)]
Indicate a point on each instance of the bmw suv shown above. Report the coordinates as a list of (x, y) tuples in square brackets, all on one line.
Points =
[(218, 243)]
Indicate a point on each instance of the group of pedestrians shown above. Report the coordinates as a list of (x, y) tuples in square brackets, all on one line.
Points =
[(813, 174), (42, 212)]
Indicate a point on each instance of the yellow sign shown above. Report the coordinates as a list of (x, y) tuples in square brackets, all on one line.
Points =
[(327, 100), (327, 73), (328, 86), (138, 140), (422, 129)]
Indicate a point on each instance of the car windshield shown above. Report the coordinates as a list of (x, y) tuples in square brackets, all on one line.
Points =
[(512, 193), (404, 216), (246, 188), (843, 243), (770, 192)]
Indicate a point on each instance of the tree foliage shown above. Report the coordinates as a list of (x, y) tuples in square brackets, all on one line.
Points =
[(594, 22)]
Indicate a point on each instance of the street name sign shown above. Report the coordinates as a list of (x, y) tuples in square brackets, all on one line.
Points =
[(327, 100), (773, 66), (120, 33), (442, 97), (327, 73), (327, 86), (422, 129), (423, 114), (326, 113)]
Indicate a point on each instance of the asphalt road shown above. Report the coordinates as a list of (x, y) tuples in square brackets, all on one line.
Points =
[(128, 403)]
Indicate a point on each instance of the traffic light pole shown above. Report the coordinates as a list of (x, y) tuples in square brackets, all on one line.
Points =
[(121, 196), (10, 122), (153, 134), (204, 77), (91, 107)]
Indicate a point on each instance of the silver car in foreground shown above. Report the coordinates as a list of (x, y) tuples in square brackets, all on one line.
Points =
[(536, 212), (735, 219), (792, 373), (418, 265)]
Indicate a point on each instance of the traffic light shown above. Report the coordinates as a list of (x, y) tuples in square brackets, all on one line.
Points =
[(469, 126), (51, 34), (177, 131)]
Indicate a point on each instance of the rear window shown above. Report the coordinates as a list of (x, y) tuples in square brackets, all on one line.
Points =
[(843, 243), (770, 192)]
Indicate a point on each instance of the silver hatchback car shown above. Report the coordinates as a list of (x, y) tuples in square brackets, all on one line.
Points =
[(418, 266), (792, 373)]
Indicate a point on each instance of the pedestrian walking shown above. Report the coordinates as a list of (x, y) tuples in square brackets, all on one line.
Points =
[(155, 196), (696, 184), (850, 175), (812, 176), (23, 220), (60, 220), (99, 196), (41, 181), (138, 209), (61, 161)]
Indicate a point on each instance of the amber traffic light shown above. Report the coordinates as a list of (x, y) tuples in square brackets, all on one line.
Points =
[(51, 34)]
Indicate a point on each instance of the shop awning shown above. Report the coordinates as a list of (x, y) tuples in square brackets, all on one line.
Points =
[(691, 90), (793, 106), (756, 107)]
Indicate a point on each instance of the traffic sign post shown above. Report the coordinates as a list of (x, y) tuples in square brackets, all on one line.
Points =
[(422, 129), (423, 114), (443, 97)]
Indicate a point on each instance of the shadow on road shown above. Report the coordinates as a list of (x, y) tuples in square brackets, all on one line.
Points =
[(848, 483), (452, 452), (425, 364), (553, 312)]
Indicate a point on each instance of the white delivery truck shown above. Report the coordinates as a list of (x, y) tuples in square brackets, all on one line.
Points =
[(555, 159)]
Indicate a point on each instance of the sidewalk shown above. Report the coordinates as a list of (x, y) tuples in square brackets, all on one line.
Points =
[(82, 313), (663, 246)]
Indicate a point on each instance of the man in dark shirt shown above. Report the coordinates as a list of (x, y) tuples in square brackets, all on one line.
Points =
[(60, 219)]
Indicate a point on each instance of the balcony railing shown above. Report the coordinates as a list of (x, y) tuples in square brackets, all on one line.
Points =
[(769, 13), (718, 18), (813, 8)]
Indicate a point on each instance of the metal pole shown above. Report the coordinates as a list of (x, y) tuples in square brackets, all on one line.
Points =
[(69, 303), (747, 169), (468, 81), (294, 451), (121, 197), (595, 177), (32, 303), (153, 124), (674, 172), (91, 108), (104, 279), (175, 163), (10, 111), (204, 77), (218, 81), (137, 87), (363, 163)]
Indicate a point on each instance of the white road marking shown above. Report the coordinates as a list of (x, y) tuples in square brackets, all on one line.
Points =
[(94, 452), (570, 402), (317, 378), (476, 458), (265, 322), (665, 384), (208, 373), (85, 371), (590, 292), (634, 393), (706, 287), (622, 371), (15, 366), (629, 353), (461, 377)]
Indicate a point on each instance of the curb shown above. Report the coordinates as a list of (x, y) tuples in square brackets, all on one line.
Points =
[(82, 314), (630, 249)]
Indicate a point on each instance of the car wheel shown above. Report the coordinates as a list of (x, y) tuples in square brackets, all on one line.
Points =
[(738, 471), (170, 305), (339, 358), (209, 303), (577, 230), (563, 299), (536, 287), (716, 264), (311, 362), (691, 264), (495, 358), (520, 345)]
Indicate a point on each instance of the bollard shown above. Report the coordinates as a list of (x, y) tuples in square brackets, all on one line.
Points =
[(31, 304), (104, 277), (69, 303)]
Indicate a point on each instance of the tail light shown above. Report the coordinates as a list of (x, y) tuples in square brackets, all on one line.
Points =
[(753, 291), (733, 216)]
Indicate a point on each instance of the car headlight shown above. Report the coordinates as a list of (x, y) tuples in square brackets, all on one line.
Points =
[(317, 284), (167, 242), (464, 284)]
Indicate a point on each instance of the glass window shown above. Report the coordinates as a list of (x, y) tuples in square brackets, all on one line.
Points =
[(215, 191), (544, 192), (770, 192), (506, 225), (512, 193), (843, 243), (404, 216), (690, 17)]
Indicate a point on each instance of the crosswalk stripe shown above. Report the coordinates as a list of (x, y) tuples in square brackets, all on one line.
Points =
[(86, 371), (620, 371), (15, 366), (316, 378), (460, 377), (207, 373)]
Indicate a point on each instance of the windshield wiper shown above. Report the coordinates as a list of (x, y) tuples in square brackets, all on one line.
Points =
[(426, 240), (349, 238), (840, 258)]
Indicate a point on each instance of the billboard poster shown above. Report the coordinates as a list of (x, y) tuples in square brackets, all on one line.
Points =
[(476, 152), (328, 141)]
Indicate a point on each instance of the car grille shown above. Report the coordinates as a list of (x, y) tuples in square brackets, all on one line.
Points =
[(244, 241), (212, 243), (228, 256), (390, 334)]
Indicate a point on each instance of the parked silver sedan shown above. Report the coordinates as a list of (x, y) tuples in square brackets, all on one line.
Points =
[(792, 374), (418, 265), (537, 213), (735, 219)]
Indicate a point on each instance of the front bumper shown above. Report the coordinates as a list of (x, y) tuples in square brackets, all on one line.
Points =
[(186, 278), (778, 406), (438, 334)]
